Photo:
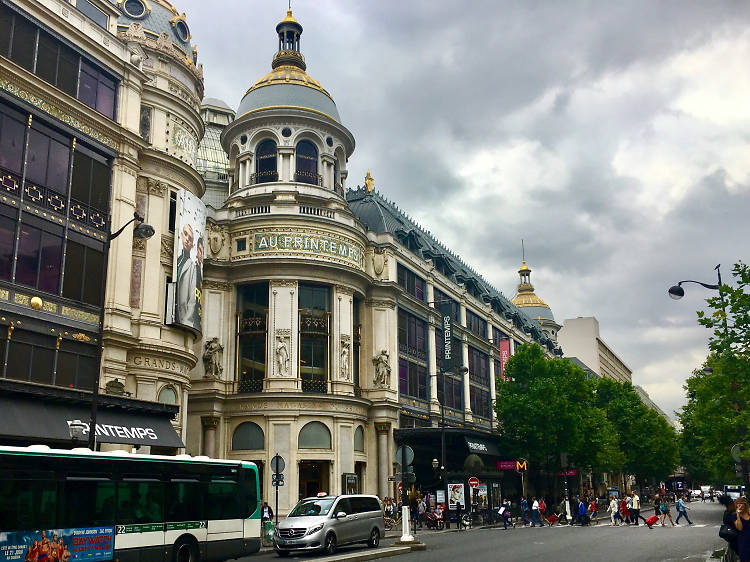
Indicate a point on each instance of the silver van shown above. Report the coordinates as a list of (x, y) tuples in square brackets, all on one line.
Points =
[(324, 523)]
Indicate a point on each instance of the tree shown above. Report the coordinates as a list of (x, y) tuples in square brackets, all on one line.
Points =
[(730, 320)]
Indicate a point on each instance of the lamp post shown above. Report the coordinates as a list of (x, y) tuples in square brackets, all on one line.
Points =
[(142, 231)]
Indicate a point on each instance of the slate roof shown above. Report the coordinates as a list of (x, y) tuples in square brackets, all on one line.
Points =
[(381, 215)]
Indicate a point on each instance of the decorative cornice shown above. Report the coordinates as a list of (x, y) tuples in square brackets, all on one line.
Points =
[(380, 303), (218, 285)]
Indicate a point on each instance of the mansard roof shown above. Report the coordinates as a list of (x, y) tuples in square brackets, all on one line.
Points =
[(381, 215)]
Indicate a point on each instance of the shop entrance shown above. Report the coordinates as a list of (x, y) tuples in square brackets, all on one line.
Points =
[(313, 478)]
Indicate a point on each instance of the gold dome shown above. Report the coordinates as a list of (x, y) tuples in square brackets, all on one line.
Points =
[(289, 17), (288, 74), (526, 298)]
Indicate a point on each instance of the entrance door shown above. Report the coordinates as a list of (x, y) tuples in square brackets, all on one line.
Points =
[(313, 478)]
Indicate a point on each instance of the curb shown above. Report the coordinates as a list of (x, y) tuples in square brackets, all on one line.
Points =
[(368, 555)]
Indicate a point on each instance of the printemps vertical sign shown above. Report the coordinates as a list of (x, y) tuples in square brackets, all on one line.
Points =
[(447, 321), (190, 237)]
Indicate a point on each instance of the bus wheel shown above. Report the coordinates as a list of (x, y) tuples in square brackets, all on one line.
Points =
[(330, 544), (186, 552)]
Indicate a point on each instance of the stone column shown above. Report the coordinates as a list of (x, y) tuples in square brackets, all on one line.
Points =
[(383, 431), (328, 179), (283, 325), (467, 386), (286, 163), (432, 366), (493, 389), (210, 424), (342, 381)]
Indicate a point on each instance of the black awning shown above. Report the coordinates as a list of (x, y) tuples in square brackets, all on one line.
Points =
[(40, 421), (481, 447)]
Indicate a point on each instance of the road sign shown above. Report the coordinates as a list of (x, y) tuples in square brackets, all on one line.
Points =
[(275, 477), (522, 465), (277, 464), (473, 482), (276, 484), (736, 450), (409, 454)]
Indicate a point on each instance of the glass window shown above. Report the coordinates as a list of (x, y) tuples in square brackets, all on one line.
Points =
[(252, 302), (93, 276), (411, 282), (46, 62), (99, 17), (24, 43), (145, 127), (84, 268), (223, 501), (51, 258), (7, 239), (184, 501), (28, 504), (96, 90), (412, 333), (6, 24), (315, 435), (167, 395), (140, 502), (12, 131), (172, 210), (359, 439), (265, 162), (27, 261), (306, 163), (412, 379), (76, 364), (67, 71), (476, 324), (479, 367), (134, 8), (86, 503), (248, 436)]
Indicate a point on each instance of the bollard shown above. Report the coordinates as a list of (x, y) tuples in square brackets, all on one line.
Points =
[(406, 535)]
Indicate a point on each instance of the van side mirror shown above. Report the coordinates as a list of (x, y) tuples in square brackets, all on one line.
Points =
[(340, 515)]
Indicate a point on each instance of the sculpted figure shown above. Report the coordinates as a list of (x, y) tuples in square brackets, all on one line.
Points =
[(345, 360), (282, 357), (382, 370), (212, 358)]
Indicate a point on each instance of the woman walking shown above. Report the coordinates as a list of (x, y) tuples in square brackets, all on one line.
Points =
[(742, 524), (728, 521), (613, 511), (664, 509)]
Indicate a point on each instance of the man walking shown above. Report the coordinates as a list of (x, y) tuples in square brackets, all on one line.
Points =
[(524, 511), (535, 513), (682, 511)]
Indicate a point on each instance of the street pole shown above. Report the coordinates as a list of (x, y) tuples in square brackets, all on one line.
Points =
[(276, 511), (446, 510)]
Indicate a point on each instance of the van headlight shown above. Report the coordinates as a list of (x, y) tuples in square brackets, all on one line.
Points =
[(313, 530)]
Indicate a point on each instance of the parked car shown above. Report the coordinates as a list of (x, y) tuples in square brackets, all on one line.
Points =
[(325, 523)]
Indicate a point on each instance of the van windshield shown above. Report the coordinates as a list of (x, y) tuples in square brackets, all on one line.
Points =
[(307, 508)]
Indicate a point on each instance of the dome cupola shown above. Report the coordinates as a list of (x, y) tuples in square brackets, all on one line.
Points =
[(289, 31), (532, 305)]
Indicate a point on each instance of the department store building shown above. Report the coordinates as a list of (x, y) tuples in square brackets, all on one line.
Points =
[(322, 338)]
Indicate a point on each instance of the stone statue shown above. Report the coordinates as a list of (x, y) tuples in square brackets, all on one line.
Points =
[(282, 357), (382, 370), (345, 361), (212, 358)]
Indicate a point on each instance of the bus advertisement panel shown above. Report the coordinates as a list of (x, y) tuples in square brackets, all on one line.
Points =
[(58, 545)]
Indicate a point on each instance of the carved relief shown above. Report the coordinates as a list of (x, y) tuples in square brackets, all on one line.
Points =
[(217, 238), (344, 359), (344, 290), (382, 377), (139, 245), (212, 355), (380, 303), (167, 248), (282, 353), (217, 285), (379, 263)]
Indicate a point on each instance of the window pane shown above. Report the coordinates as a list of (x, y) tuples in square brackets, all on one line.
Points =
[(11, 143), (6, 21), (28, 504), (81, 183), (46, 62), (86, 370), (49, 272), (24, 39), (7, 237), (100, 179), (67, 71), (89, 83), (140, 502), (28, 255), (73, 284), (57, 169), (43, 364), (99, 17), (19, 360), (36, 157), (184, 501), (222, 501), (67, 365), (88, 503), (92, 285), (105, 98)]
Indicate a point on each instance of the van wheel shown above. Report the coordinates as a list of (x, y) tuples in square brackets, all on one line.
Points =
[(374, 539), (185, 551), (330, 544)]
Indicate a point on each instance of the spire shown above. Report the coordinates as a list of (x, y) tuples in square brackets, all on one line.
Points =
[(289, 31)]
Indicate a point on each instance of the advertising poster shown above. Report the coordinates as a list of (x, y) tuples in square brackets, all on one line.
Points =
[(440, 497), (190, 244), (456, 496), (59, 545), (482, 496)]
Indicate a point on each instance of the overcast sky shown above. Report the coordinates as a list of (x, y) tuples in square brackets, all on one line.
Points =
[(611, 137)]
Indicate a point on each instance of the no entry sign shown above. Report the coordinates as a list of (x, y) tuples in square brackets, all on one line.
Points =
[(473, 482)]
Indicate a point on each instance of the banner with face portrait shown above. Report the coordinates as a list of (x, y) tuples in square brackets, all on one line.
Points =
[(189, 250)]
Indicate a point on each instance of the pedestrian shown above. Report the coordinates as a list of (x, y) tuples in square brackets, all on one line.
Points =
[(535, 513), (664, 509), (582, 517), (594, 509), (573, 510), (624, 511), (524, 511), (266, 513), (613, 511), (636, 509), (504, 512), (543, 512), (728, 522), (682, 511), (421, 511), (629, 505), (742, 524)]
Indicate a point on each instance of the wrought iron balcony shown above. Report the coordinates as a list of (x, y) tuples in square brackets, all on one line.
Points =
[(264, 177), (303, 176), (314, 386), (249, 385)]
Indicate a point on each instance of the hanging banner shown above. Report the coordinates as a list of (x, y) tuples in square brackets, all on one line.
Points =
[(446, 317), (504, 348), (456, 496), (190, 236), (68, 545)]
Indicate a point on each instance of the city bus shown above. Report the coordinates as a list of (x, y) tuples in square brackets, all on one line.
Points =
[(71, 505)]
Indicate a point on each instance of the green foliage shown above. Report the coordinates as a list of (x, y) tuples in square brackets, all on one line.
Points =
[(548, 406)]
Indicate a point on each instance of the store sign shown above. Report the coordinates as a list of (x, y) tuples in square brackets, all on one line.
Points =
[(571, 472), (321, 245), (89, 543), (504, 348), (506, 465), (447, 320), (124, 432)]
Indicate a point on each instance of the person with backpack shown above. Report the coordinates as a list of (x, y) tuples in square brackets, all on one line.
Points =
[(682, 511), (664, 510)]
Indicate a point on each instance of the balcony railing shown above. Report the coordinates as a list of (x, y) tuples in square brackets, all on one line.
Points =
[(249, 385), (303, 176), (314, 386), (264, 177)]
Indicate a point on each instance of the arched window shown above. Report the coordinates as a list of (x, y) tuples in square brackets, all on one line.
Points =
[(336, 179), (248, 436), (167, 395), (314, 435), (265, 162), (359, 439), (307, 163)]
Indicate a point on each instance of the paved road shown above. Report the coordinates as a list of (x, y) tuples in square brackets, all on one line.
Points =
[(574, 544)]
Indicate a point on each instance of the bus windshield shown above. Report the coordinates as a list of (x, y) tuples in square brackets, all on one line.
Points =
[(307, 508)]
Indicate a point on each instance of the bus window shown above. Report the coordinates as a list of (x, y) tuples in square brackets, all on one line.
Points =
[(223, 500), (87, 503), (28, 504), (140, 502), (184, 501), (249, 493)]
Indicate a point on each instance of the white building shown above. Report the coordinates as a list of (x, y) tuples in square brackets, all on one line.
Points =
[(579, 337)]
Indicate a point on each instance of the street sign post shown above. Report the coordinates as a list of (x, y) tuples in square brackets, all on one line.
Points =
[(405, 455), (473, 482), (522, 466), (277, 479)]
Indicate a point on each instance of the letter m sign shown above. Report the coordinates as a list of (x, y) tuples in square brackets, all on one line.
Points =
[(521, 465)]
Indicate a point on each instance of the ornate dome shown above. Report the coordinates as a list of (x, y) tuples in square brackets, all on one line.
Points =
[(156, 17), (288, 85), (532, 305)]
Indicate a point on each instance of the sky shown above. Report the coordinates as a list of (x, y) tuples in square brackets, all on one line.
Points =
[(613, 138)]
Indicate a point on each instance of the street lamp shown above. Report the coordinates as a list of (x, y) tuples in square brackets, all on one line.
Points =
[(77, 430), (434, 464), (142, 231), (676, 292)]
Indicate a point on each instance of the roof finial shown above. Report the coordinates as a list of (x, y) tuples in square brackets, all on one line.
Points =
[(369, 182), (523, 250)]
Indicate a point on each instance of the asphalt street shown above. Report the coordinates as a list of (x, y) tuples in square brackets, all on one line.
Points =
[(574, 544)]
